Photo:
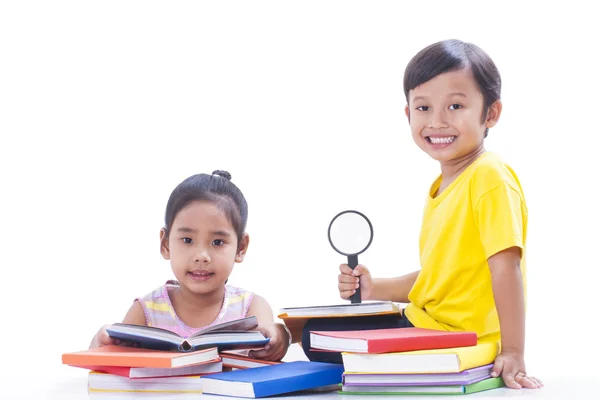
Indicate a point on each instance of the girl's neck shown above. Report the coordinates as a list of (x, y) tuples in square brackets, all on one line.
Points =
[(453, 168), (201, 301)]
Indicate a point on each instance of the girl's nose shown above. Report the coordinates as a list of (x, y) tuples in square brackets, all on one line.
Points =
[(202, 256)]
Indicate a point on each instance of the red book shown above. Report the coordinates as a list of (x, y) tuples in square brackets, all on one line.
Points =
[(390, 340), (211, 367)]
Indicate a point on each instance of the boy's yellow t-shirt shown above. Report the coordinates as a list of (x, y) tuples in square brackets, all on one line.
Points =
[(481, 213)]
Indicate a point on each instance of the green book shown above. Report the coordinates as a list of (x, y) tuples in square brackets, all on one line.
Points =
[(486, 384)]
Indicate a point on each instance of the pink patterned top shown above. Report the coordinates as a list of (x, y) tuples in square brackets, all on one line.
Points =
[(160, 313)]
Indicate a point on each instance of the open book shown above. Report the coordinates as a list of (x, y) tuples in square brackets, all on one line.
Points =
[(237, 334)]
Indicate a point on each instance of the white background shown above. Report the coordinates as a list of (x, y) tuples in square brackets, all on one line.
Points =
[(106, 106)]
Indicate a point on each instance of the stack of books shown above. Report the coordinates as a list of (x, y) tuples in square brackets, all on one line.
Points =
[(129, 369), (411, 361), (163, 361)]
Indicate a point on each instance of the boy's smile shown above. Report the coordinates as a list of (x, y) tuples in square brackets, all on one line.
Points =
[(446, 116)]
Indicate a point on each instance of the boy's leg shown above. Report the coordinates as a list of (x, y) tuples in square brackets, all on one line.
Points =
[(346, 324)]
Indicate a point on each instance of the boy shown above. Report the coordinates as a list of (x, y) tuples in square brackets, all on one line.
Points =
[(474, 227)]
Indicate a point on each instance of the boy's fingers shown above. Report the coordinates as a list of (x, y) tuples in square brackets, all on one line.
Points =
[(497, 369), (347, 287), (346, 294), (360, 270), (345, 269), (538, 381), (509, 380), (342, 278)]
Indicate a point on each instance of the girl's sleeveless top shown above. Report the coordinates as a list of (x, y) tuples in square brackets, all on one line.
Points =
[(160, 313)]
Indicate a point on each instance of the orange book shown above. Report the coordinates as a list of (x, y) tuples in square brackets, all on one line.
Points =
[(120, 356)]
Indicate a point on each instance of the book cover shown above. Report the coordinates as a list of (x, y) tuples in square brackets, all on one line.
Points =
[(434, 361), (273, 380), (466, 377), (120, 356), (228, 335), (99, 382), (296, 317), (486, 384), (390, 340), (211, 367), (241, 361)]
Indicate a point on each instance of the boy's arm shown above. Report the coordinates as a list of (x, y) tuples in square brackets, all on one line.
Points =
[(507, 284), (394, 289)]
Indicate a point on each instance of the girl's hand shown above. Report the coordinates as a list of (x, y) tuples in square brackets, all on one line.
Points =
[(511, 366), (349, 280), (278, 345), (102, 339)]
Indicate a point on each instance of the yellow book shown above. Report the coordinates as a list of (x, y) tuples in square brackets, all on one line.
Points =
[(436, 361)]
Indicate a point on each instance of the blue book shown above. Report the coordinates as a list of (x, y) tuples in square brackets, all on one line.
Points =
[(237, 334), (273, 379)]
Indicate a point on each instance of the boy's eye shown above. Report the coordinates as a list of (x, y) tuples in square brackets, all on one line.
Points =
[(423, 108), (455, 106), (218, 242), (187, 240)]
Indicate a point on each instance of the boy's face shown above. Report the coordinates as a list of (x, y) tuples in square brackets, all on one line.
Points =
[(445, 116), (203, 247)]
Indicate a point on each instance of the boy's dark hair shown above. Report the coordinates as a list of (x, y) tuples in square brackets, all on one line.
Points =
[(217, 189), (452, 55)]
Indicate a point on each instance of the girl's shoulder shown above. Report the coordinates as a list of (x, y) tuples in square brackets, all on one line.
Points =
[(237, 300), (160, 294)]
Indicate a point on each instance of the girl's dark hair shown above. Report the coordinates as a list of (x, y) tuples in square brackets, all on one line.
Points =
[(452, 55), (217, 189)]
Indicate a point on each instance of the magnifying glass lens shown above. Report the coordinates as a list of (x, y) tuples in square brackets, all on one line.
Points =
[(350, 233)]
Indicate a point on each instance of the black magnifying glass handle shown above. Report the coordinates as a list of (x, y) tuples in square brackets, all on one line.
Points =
[(352, 263)]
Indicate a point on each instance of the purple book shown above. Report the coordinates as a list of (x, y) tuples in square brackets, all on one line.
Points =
[(466, 377)]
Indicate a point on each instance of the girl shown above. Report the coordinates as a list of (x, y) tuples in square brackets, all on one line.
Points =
[(204, 235)]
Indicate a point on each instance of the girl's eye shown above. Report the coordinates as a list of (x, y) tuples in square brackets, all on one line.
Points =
[(455, 106), (423, 108), (187, 240), (218, 242)]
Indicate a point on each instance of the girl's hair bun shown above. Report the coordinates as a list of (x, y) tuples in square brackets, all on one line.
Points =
[(223, 174)]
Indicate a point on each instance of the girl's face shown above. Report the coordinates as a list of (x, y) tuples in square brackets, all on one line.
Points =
[(202, 247), (445, 116)]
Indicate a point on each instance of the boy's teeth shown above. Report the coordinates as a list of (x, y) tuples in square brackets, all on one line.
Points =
[(438, 140)]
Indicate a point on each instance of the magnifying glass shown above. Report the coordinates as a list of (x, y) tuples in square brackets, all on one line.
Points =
[(350, 233)]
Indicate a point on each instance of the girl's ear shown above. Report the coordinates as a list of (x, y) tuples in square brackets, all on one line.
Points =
[(242, 248), (493, 114), (164, 244)]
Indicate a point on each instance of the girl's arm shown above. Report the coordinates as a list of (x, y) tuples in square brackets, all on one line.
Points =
[(280, 339), (134, 316)]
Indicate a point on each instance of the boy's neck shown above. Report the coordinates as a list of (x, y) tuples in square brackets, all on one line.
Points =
[(453, 168)]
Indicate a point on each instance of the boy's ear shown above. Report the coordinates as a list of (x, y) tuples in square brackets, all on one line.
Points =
[(242, 248), (493, 114), (407, 112), (164, 244)]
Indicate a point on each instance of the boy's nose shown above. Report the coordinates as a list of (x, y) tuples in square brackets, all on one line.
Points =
[(437, 120)]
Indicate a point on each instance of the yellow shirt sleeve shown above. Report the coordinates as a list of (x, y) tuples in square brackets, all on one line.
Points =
[(500, 216)]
